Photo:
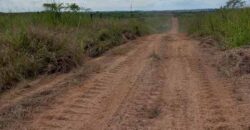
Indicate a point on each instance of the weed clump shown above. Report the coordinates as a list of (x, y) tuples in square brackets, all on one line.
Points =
[(33, 52), (235, 62), (154, 56), (106, 39)]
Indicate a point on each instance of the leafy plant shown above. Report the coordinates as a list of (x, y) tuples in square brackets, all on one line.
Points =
[(235, 4)]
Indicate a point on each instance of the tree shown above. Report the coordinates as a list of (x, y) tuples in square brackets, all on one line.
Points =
[(73, 7), (58, 7), (53, 7), (55, 10), (235, 4)]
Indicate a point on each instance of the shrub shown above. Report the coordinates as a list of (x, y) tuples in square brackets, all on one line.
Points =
[(36, 51)]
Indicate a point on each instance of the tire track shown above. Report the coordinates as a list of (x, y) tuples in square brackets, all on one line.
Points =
[(86, 104), (178, 91), (143, 102), (218, 109)]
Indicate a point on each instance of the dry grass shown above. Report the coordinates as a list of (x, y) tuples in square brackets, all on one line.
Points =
[(28, 51), (13, 115), (235, 62), (37, 51), (228, 26), (33, 44), (154, 56)]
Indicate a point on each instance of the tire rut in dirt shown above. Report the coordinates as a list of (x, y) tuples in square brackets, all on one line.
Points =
[(178, 91), (143, 103), (88, 105), (217, 107)]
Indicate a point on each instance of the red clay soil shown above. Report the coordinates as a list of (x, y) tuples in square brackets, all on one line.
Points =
[(163, 82)]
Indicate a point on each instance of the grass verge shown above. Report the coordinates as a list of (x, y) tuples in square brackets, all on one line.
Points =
[(228, 26), (32, 44)]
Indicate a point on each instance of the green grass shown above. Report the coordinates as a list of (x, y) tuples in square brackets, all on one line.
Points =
[(231, 27), (32, 44)]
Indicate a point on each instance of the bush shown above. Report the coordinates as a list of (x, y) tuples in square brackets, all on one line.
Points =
[(229, 26), (36, 51), (115, 35)]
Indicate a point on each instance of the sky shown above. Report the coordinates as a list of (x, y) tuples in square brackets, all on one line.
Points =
[(113, 5)]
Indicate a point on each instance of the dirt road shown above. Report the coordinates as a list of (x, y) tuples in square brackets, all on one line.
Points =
[(162, 83)]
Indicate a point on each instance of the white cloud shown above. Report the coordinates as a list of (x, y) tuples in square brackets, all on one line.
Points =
[(101, 5), (29, 5)]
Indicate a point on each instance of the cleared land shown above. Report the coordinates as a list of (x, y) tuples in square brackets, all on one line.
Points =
[(161, 82)]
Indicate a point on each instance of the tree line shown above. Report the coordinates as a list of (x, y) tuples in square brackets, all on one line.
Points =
[(231, 4), (59, 7)]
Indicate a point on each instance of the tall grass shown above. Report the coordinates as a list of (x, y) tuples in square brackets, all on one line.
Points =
[(230, 26), (37, 43)]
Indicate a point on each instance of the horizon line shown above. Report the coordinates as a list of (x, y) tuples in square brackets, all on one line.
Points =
[(160, 10)]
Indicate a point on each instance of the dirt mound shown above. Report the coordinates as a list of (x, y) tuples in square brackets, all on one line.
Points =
[(235, 62)]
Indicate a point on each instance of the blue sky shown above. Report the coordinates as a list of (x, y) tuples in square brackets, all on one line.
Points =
[(113, 5)]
